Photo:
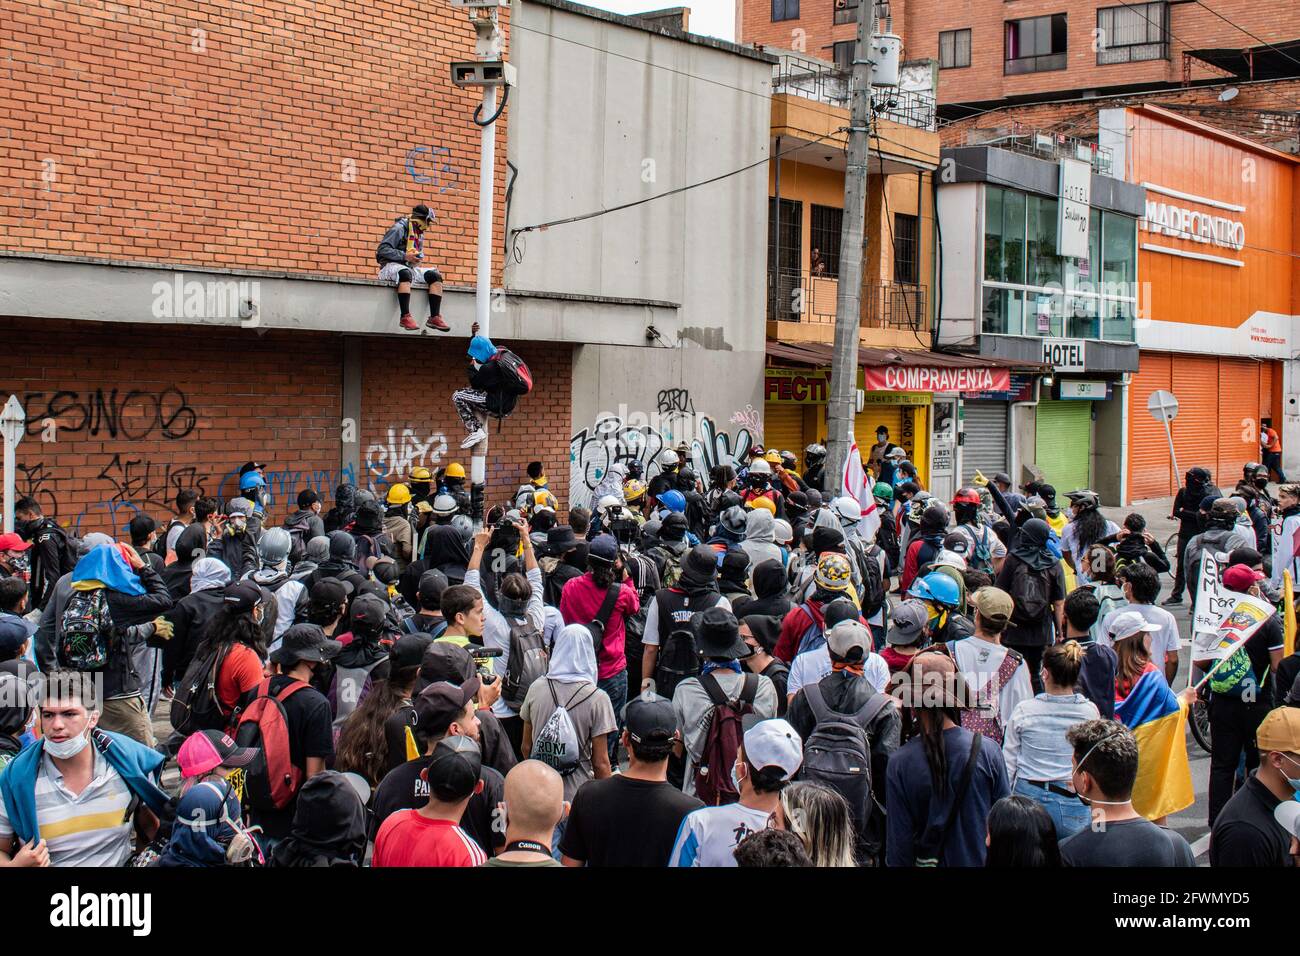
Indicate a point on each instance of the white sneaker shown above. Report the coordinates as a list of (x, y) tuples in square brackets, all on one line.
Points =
[(474, 438)]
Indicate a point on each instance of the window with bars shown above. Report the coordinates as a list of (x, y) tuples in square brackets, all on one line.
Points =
[(1127, 34), (1035, 45), (846, 11), (785, 10), (954, 49), (824, 248), (906, 241), (843, 55), (784, 249)]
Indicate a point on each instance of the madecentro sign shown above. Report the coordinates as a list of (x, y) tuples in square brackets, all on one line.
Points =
[(1166, 219)]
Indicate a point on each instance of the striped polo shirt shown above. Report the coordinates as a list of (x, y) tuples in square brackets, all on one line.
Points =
[(92, 828)]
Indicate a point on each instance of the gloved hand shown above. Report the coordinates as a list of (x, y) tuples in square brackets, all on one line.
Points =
[(980, 480), (163, 628)]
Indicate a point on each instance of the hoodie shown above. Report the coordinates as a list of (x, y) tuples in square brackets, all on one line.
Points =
[(199, 835), (190, 546), (139, 767), (329, 825), (192, 617), (769, 581), (760, 538), (345, 508)]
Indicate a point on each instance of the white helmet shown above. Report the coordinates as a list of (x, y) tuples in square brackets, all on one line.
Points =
[(782, 532), (847, 509), (445, 504), (668, 458), (607, 502), (759, 467)]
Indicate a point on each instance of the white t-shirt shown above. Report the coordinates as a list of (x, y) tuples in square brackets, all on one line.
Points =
[(979, 660), (811, 666), (708, 837), (1164, 641)]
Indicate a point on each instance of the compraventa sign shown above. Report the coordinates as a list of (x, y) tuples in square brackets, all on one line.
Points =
[(905, 379)]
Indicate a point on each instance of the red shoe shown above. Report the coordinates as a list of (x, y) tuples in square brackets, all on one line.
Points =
[(408, 323), (435, 322)]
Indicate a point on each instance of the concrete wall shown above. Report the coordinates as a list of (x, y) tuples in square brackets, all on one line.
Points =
[(961, 219), (608, 112)]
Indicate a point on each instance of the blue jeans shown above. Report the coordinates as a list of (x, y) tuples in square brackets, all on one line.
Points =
[(1069, 814), (616, 687)]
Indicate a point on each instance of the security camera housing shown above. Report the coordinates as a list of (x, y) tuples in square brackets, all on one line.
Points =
[(479, 4), (482, 73)]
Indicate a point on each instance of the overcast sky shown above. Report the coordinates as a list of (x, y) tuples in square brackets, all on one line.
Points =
[(715, 18)]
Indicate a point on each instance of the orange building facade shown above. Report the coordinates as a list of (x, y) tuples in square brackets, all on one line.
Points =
[(1217, 299)]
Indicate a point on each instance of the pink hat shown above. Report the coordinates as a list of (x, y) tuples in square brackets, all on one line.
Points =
[(208, 749)]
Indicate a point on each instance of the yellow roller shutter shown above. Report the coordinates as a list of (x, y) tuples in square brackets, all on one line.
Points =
[(783, 427)]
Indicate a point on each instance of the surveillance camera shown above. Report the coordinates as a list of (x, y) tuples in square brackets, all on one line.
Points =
[(482, 73), (479, 4)]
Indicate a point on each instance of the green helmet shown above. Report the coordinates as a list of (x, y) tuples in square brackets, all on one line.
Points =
[(883, 491)]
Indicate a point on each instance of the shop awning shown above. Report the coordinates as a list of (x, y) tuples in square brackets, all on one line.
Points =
[(910, 370)]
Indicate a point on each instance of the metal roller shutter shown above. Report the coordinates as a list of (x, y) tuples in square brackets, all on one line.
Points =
[(1238, 430), (1063, 436), (1148, 449), (1268, 374), (984, 447), (783, 428), (1196, 429), (872, 417)]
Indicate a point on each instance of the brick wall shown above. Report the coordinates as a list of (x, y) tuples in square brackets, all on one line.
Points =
[(140, 413), (238, 135), (408, 420), (919, 23)]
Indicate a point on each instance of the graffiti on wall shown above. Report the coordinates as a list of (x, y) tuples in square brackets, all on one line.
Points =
[(636, 438), (390, 461), (133, 414)]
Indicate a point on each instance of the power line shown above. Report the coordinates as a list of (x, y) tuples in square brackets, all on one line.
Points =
[(673, 192), (1238, 26)]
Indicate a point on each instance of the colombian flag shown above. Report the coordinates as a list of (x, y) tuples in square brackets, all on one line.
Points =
[(1158, 718)]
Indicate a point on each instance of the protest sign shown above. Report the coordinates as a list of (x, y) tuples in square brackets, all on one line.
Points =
[(1247, 616), (1213, 600)]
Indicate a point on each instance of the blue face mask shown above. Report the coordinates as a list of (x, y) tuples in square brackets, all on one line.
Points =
[(1292, 782)]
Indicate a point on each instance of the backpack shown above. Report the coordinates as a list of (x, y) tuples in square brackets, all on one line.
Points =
[(1105, 603), (722, 742), (528, 661), (873, 580), (516, 379), (271, 779), (812, 638), (837, 753), (86, 632), (887, 539), (160, 543), (981, 556), (982, 716), (678, 660), (195, 705), (413, 624), (1031, 592), (69, 547), (557, 744), (298, 532)]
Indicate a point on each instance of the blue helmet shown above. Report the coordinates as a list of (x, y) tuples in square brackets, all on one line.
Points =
[(251, 479), (937, 588), (673, 500)]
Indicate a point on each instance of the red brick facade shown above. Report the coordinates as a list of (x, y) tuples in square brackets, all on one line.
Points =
[(280, 137), (139, 413), (919, 23)]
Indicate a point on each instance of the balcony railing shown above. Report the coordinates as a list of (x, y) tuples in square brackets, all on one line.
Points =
[(826, 83), (808, 298), (1041, 143)]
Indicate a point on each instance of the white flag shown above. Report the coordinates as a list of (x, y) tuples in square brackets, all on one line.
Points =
[(856, 486)]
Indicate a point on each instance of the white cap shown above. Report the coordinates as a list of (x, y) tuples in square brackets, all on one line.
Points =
[(1128, 624), (896, 452), (774, 743), (948, 559), (1287, 815)]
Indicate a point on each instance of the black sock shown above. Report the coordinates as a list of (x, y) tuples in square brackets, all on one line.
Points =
[(404, 302), (435, 303)]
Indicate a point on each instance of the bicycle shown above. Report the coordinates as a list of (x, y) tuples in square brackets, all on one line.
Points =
[(1171, 551), (1199, 716)]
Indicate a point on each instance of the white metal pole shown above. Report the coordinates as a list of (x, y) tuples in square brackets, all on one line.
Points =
[(483, 289), (1173, 457), (10, 455)]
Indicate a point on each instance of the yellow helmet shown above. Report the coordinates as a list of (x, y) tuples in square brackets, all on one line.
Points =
[(773, 457), (544, 499), (421, 474), (455, 470), (633, 490), (399, 495), (761, 502)]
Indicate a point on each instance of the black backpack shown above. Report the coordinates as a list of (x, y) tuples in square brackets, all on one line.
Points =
[(1031, 592), (528, 661), (160, 543), (887, 538), (298, 532), (837, 753), (516, 378), (678, 659), (195, 705), (873, 580)]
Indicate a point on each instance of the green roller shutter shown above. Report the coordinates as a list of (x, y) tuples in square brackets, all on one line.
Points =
[(1064, 443)]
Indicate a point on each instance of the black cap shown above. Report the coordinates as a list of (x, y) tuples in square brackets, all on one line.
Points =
[(454, 771), (385, 571), (307, 498), (248, 466), (719, 635), (701, 561), (674, 527), (560, 540), (330, 591), (441, 703), (369, 610), (141, 526), (432, 583), (240, 597), (445, 661), (304, 642), (827, 539), (841, 609), (650, 718), (408, 650), (1001, 478)]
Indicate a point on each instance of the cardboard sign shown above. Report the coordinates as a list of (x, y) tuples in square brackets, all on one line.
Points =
[(1213, 601), (1247, 616)]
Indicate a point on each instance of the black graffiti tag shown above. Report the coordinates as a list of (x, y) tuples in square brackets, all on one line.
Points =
[(134, 414)]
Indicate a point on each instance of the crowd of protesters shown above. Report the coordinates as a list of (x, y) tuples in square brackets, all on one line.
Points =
[(742, 668)]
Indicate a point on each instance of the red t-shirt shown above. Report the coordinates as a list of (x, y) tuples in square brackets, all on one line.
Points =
[(407, 838), (241, 671), (895, 660), (580, 602)]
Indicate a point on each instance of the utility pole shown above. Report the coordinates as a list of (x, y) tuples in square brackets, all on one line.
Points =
[(848, 303)]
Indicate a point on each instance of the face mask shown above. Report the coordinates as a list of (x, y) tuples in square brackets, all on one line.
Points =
[(1293, 782), (735, 776), (880, 437), (67, 749)]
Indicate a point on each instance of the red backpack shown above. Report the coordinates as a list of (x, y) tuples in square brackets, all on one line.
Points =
[(271, 779), (713, 775), (516, 379)]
